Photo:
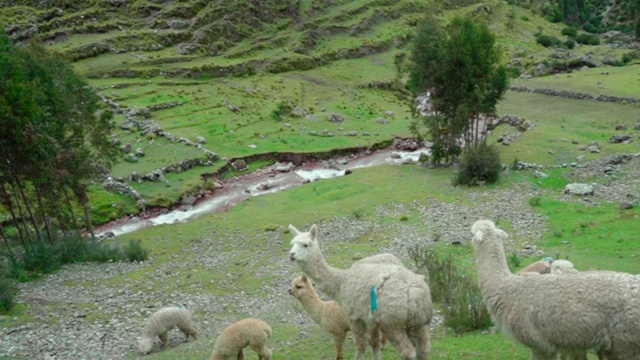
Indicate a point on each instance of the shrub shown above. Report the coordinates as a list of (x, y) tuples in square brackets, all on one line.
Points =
[(457, 293), (588, 39), (40, 258), (7, 294), (569, 44), (547, 40), (135, 252), (480, 163), (105, 253), (357, 213), (514, 261), (570, 32), (590, 28), (535, 201)]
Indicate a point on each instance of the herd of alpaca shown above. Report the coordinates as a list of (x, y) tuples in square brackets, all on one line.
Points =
[(549, 306)]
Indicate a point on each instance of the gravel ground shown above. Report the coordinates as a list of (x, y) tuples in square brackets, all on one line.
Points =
[(81, 312)]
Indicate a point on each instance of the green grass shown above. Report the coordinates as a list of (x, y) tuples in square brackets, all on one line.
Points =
[(559, 121), (618, 81)]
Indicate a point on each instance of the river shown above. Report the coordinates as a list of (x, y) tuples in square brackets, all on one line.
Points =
[(266, 180)]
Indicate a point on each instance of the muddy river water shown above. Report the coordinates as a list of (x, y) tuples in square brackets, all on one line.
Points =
[(262, 181)]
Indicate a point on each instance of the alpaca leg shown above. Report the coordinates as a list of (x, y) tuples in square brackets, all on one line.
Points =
[(189, 331), (338, 342), (402, 343), (359, 330), (164, 338), (258, 345), (264, 353), (420, 339), (241, 355), (375, 343)]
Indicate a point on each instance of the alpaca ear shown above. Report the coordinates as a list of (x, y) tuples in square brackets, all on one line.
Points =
[(313, 231), (502, 233), (293, 230), (304, 277), (478, 235)]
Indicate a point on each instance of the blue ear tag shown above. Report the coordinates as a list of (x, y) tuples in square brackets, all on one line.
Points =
[(374, 303)]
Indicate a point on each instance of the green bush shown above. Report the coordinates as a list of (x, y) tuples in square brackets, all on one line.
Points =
[(457, 293), (569, 44), (514, 261), (535, 201), (7, 294), (570, 32), (588, 39), (547, 40), (40, 258), (481, 163), (135, 252)]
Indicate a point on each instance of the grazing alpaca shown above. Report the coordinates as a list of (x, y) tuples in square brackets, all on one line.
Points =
[(562, 267), (558, 314), (163, 320), (327, 314), (237, 336), (375, 296), (539, 267)]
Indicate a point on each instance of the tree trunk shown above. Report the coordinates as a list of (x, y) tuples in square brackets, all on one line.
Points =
[(22, 217), (74, 221), (9, 204), (47, 223), (88, 220), (26, 203), (6, 241)]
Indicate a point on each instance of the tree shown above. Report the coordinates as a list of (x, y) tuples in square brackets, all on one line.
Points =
[(54, 134), (458, 66)]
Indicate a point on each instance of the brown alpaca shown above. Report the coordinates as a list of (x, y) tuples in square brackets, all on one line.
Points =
[(538, 267), (327, 314), (237, 336)]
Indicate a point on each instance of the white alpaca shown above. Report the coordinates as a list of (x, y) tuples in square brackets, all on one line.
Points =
[(163, 320), (237, 336), (327, 314), (376, 296), (562, 267), (558, 314)]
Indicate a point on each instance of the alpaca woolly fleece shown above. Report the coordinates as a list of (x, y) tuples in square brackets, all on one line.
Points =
[(234, 338), (163, 320), (558, 314), (401, 308)]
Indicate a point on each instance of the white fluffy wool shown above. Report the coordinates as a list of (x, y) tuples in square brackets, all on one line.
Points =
[(163, 320)]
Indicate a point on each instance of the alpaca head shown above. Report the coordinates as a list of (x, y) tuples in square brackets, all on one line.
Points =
[(145, 344), (562, 267), (300, 286), (483, 227), (304, 244)]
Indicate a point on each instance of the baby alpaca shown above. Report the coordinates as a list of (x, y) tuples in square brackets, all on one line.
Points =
[(538, 267), (562, 267), (163, 320), (328, 314), (237, 336)]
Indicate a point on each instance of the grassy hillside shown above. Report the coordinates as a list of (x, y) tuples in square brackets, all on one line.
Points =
[(255, 77)]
